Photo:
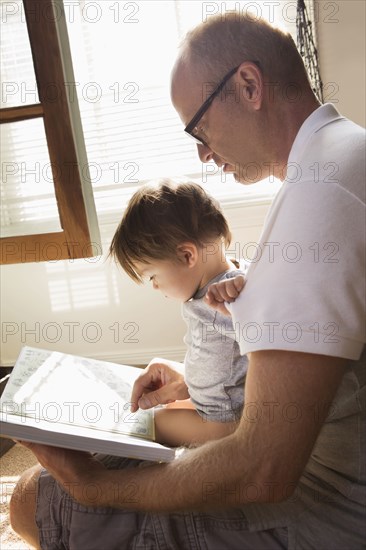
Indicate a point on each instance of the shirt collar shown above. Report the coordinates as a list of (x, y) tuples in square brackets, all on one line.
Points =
[(322, 116)]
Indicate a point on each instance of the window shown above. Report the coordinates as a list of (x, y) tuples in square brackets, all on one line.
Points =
[(122, 55), (47, 207)]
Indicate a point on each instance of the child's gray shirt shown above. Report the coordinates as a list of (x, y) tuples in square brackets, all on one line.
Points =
[(214, 369)]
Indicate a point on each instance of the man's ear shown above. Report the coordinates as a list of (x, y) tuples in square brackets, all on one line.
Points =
[(250, 79), (187, 253)]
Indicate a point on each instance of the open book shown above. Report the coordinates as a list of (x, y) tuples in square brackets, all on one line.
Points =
[(77, 403)]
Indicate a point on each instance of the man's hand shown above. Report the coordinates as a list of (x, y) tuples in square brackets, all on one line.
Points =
[(159, 384), (74, 470), (224, 291)]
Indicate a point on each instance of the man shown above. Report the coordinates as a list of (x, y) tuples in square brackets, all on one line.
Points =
[(292, 475)]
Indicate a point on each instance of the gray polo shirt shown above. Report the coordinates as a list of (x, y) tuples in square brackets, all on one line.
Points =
[(214, 369)]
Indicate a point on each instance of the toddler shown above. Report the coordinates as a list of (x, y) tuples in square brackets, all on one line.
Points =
[(175, 235)]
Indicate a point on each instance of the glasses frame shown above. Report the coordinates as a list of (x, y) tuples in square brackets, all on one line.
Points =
[(192, 124)]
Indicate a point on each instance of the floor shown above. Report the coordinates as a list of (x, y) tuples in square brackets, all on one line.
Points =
[(12, 464)]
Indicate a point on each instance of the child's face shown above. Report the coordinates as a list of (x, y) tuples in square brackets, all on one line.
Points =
[(175, 279)]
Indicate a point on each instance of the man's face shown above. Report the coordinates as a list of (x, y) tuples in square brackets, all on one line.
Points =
[(236, 150)]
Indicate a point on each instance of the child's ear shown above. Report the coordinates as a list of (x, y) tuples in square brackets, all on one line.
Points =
[(187, 253)]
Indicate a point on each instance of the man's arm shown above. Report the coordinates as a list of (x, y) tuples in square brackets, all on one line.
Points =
[(287, 396)]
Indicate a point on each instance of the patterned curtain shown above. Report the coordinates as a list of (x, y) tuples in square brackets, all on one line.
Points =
[(307, 49)]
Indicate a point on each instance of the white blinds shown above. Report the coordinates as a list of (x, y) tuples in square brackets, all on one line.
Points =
[(28, 203), (122, 55)]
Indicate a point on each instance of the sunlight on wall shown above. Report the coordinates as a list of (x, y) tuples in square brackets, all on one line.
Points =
[(80, 284)]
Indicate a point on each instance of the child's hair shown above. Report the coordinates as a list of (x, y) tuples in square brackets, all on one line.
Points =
[(161, 216)]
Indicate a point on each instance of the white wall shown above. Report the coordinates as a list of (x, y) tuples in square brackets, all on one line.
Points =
[(342, 48), (89, 308)]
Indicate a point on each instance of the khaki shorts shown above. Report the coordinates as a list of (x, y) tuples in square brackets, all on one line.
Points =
[(64, 524)]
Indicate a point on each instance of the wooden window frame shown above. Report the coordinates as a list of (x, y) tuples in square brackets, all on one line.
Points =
[(79, 237)]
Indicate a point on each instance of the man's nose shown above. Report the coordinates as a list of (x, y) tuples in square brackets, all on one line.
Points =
[(204, 152)]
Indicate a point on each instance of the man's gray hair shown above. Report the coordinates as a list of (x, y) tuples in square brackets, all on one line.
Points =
[(221, 43)]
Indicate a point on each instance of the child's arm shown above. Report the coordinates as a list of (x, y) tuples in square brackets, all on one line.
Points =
[(178, 423), (185, 427)]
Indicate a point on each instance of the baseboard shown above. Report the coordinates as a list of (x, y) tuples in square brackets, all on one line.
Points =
[(138, 357), (141, 357)]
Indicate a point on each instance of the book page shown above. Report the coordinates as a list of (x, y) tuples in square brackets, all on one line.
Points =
[(71, 390)]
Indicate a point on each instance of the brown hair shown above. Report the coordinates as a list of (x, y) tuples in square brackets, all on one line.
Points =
[(160, 217), (224, 42)]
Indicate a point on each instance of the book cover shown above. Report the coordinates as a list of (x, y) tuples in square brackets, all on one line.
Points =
[(78, 403)]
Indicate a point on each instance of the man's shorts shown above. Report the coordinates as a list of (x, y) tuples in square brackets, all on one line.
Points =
[(64, 524)]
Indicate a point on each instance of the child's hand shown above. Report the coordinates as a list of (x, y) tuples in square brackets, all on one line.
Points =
[(158, 384), (224, 291)]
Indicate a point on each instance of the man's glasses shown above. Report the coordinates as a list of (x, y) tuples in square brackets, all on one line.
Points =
[(192, 125), (191, 128)]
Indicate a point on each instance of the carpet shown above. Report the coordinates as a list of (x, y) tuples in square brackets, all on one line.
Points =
[(12, 465)]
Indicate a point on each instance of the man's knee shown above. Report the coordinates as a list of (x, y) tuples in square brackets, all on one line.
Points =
[(22, 509)]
